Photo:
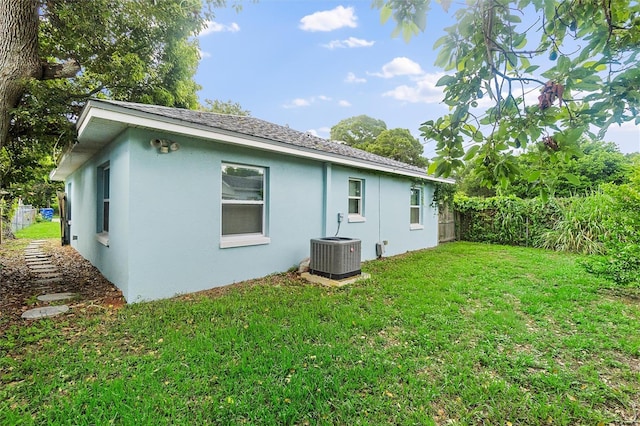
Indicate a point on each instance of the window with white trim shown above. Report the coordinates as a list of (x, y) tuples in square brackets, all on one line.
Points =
[(356, 198), (103, 192), (243, 205), (415, 208), (104, 183)]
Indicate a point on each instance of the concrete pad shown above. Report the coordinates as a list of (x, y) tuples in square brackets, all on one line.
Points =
[(56, 296), (45, 311), (334, 283)]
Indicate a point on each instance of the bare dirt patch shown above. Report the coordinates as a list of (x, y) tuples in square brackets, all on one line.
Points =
[(19, 287)]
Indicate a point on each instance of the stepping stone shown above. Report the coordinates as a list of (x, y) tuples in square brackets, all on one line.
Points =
[(47, 270), (37, 257), (36, 267), (45, 311), (46, 274), (36, 262), (47, 280), (56, 296)]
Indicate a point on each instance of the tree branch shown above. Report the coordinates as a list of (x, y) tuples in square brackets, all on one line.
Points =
[(64, 70)]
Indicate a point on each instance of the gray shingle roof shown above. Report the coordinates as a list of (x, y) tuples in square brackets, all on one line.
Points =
[(263, 129)]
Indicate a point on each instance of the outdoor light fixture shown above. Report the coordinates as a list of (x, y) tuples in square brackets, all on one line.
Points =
[(164, 146)]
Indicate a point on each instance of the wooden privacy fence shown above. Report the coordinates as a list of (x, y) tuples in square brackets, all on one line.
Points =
[(446, 224)]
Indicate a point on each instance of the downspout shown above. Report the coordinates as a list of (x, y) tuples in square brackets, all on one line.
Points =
[(326, 199), (379, 210)]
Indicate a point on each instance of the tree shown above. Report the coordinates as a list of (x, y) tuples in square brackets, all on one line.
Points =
[(228, 107), (400, 145), (584, 68), (55, 54), (358, 131), (596, 164)]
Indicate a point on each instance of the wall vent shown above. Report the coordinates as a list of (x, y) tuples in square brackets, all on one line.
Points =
[(335, 257)]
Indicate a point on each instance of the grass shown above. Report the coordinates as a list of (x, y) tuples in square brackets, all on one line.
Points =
[(462, 334), (40, 230)]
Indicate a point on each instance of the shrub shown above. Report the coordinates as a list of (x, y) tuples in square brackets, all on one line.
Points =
[(622, 244), (504, 220)]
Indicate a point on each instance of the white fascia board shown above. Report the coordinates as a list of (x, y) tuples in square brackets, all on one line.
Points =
[(143, 120)]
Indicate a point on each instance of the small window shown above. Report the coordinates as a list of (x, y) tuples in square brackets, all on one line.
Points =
[(243, 205), (356, 198), (415, 208), (104, 191)]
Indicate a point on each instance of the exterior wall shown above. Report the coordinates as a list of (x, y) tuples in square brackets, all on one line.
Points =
[(165, 231), (386, 205), (176, 209), (112, 261)]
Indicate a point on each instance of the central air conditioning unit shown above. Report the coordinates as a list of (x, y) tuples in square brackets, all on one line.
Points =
[(335, 257)]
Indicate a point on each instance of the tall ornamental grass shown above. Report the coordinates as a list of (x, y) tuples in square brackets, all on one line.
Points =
[(581, 226)]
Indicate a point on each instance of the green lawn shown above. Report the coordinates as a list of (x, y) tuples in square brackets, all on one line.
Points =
[(40, 230), (463, 334)]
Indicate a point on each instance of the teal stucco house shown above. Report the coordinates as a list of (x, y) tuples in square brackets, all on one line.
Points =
[(165, 201)]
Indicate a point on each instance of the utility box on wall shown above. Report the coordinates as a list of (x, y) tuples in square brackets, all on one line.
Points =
[(335, 257)]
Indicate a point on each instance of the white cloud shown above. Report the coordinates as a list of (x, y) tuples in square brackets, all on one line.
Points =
[(399, 66), (216, 27), (297, 103), (322, 132), (423, 90), (351, 42), (344, 103), (329, 20), (305, 102), (351, 78)]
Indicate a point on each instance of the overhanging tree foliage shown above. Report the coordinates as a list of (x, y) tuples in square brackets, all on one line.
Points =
[(578, 58), (54, 54)]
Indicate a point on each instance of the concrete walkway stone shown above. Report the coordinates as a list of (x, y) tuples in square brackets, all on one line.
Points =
[(40, 267), (45, 311), (49, 275), (56, 296), (48, 280)]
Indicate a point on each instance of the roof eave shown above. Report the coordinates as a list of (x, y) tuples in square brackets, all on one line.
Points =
[(96, 110)]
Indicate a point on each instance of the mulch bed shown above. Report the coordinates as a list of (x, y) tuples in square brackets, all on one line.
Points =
[(19, 291)]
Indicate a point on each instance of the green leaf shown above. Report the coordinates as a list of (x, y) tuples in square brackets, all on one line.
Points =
[(533, 176), (432, 167), (471, 152), (385, 13), (446, 80), (573, 179)]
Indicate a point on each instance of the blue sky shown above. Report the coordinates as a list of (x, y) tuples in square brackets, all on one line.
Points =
[(309, 64)]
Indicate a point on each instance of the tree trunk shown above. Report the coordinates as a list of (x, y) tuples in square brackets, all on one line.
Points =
[(19, 58)]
